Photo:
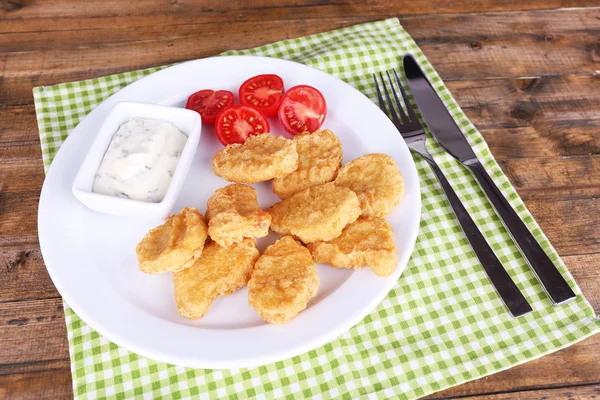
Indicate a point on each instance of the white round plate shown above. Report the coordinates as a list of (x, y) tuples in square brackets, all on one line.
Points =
[(91, 256)]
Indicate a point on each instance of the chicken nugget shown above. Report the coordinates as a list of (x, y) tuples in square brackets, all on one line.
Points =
[(175, 244), (319, 159), (218, 272), (316, 213), (377, 181), (261, 158), (368, 242), (233, 214), (283, 281)]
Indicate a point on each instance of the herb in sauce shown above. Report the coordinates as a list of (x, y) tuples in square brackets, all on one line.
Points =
[(136, 160)]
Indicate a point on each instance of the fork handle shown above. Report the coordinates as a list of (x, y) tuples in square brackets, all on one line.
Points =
[(509, 292), (553, 282)]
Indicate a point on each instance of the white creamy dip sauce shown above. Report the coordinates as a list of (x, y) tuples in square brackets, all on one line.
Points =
[(141, 160)]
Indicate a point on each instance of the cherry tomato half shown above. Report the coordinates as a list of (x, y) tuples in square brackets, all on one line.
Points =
[(303, 109), (263, 92), (236, 123), (209, 103)]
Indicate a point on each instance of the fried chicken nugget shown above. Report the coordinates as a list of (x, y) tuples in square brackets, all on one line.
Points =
[(218, 272), (261, 158), (316, 213), (377, 181), (368, 242), (233, 214), (283, 281), (319, 159), (175, 244)]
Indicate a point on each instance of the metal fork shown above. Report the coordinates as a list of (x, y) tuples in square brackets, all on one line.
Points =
[(412, 131)]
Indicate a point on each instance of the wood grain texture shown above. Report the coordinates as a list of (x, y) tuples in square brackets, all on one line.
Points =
[(580, 392), (23, 16), (36, 333), (53, 384), (526, 74), (23, 275), (553, 102), (463, 46)]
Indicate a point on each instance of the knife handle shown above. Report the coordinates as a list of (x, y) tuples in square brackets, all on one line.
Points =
[(509, 292), (553, 282)]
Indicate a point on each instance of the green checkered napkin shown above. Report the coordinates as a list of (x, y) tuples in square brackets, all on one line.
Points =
[(441, 325)]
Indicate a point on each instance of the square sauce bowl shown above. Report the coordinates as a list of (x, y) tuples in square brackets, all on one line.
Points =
[(187, 121)]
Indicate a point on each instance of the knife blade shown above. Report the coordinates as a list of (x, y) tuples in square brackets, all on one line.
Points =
[(445, 130)]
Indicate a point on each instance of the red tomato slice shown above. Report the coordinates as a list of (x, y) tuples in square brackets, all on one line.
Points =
[(209, 103), (303, 109), (263, 92), (236, 123)]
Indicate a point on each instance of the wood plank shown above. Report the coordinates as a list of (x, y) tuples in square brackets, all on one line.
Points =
[(571, 225), (35, 366), (55, 384), (565, 393), (539, 102), (521, 44), (554, 178), (530, 43), (19, 137), (21, 16), (23, 274), (18, 217), (548, 138), (31, 332), (588, 279), (21, 175)]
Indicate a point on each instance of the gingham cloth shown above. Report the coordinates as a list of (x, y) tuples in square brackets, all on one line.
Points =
[(441, 325)]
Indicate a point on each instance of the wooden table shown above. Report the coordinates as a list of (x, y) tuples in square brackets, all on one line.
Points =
[(527, 73)]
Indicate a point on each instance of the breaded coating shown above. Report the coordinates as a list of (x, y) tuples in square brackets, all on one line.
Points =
[(218, 272), (175, 244), (319, 159), (316, 213), (377, 181), (283, 281), (261, 158), (368, 242), (233, 214)]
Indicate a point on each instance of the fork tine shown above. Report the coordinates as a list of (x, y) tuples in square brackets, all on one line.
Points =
[(398, 103), (379, 97), (409, 109), (389, 104)]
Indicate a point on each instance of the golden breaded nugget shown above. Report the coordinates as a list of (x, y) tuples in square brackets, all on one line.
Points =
[(175, 244), (319, 159), (218, 272), (261, 158), (283, 281), (316, 213), (233, 214), (368, 242), (377, 181)]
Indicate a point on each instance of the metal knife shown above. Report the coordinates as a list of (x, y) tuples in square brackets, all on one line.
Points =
[(444, 129)]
